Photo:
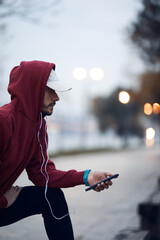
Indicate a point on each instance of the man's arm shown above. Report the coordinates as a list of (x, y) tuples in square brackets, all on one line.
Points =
[(57, 178), (64, 179)]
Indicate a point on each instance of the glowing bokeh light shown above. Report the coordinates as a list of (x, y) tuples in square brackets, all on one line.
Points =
[(124, 97), (147, 108), (96, 74), (79, 73), (150, 133), (149, 142), (156, 108)]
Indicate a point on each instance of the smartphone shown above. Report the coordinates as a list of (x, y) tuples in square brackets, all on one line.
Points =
[(105, 180)]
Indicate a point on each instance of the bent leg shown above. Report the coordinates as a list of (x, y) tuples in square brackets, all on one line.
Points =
[(63, 227), (31, 201)]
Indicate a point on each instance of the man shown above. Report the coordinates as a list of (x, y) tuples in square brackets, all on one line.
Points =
[(33, 88)]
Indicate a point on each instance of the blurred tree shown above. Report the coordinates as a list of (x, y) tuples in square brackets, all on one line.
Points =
[(32, 10), (123, 118), (149, 91), (145, 32), (149, 87)]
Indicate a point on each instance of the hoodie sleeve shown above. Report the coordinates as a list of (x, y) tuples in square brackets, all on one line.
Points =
[(3, 201), (5, 137), (57, 178)]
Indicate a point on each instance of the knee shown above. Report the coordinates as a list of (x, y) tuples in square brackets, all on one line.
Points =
[(57, 200), (55, 192), (56, 195)]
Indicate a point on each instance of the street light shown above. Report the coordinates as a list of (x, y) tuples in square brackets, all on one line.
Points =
[(86, 89), (124, 97), (79, 73), (148, 109), (156, 108), (96, 73), (150, 134)]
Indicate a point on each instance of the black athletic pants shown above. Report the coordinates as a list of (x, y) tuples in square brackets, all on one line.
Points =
[(31, 201)]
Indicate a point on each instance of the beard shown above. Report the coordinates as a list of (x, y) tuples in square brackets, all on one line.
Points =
[(46, 112)]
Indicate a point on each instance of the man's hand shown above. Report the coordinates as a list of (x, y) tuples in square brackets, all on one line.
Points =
[(12, 194), (97, 176)]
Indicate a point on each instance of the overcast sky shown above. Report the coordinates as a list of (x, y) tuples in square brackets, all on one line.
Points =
[(85, 33)]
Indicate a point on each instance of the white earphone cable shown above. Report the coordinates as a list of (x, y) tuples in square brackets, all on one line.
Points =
[(45, 174)]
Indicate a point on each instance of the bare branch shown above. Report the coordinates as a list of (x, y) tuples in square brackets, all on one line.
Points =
[(30, 9)]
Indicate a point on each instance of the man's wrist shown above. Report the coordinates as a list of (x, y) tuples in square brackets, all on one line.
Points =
[(85, 176)]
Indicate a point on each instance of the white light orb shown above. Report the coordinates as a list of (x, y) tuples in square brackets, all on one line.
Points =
[(124, 97), (79, 73), (150, 133), (96, 74)]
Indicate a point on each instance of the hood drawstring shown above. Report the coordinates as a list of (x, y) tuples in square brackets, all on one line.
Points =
[(44, 163)]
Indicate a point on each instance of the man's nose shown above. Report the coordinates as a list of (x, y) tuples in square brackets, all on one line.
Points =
[(55, 97)]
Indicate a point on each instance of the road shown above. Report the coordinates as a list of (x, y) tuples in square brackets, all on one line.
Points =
[(99, 216)]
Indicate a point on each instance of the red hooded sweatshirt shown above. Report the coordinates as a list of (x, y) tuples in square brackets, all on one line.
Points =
[(23, 132)]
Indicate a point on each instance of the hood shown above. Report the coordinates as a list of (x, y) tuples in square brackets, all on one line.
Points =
[(27, 87)]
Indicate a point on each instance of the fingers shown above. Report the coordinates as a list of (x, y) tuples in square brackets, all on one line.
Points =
[(15, 190), (102, 186)]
